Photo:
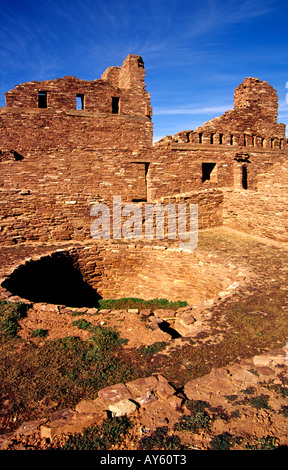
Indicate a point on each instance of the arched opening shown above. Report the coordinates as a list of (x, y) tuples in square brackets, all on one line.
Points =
[(54, 279)]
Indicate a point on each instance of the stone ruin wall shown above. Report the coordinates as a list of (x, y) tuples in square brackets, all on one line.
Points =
[(32, 124), (119, 270), (58, 161)]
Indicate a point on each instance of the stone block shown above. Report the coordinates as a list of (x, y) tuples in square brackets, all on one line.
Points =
[(133, 310), (276, 356), (164, 313), (123, 407), (114, 394), (244, 376), (164, 390), (29, 427), (68, 425), (97, 406), (140, 387)]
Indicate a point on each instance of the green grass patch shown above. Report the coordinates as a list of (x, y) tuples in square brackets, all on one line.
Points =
[(126, 303)]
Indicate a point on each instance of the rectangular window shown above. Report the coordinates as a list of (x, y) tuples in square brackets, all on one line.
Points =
[(42, 99), (79, 101), (200, 138), (220, 139), (139, 178), (115, 105)]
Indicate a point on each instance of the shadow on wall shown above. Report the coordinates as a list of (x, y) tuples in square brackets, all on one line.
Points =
[(53, 279)]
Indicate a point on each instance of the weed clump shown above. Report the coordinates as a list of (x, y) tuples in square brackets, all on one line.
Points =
[(222, 441), (102, 437), (152, 348), (10, 314), (198, 420), (160, 440), (40, 332), (264, 443)]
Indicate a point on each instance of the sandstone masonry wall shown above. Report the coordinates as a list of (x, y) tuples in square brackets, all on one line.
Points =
[(58, 161)]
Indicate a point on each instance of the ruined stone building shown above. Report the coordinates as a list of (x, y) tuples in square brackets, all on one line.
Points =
[(68, 144)]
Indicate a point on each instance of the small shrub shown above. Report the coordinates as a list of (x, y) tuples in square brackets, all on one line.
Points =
[(196, 405), (223, 441), (284, 411), (194, 423), (264, 443), (231, 397), (260, 401), (106, 337), (153, 348), (219, 412), (82, 324), (101, 437), (160, 440), (39, 332), (249, 391), (75, 313), (281, 390), (199, 418), (115, 428), (10, 314)]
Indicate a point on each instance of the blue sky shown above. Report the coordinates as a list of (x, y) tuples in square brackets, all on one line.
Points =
[(195, 52)]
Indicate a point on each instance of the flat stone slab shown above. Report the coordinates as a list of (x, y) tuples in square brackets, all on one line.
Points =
[(140, 387), (114, 393)]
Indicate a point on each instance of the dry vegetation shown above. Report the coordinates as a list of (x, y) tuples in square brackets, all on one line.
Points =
[(43, 375)]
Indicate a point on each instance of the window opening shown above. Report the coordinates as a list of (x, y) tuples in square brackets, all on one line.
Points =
[(79, 101), (231, 139), (115, 105), (212, 139), (207, 169), (220, 139), (140, 63), (42, 99), (200, 138), (139, 172), (244, 177)]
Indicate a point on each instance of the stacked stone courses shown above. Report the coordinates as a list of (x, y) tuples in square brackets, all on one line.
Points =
[(58, 161)]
